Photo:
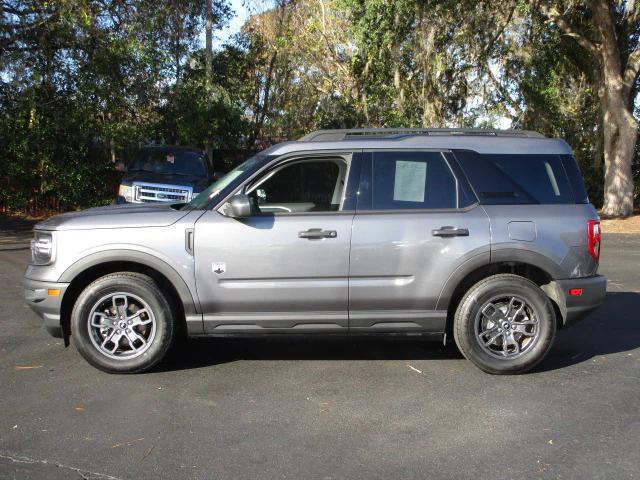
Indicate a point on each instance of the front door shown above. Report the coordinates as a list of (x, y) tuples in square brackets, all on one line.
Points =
[(415, 224), (286, 267)]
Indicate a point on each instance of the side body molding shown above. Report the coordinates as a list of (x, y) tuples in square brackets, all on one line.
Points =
[(191, 306)]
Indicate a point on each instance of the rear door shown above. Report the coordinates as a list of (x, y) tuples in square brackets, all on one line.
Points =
[(416, 222)]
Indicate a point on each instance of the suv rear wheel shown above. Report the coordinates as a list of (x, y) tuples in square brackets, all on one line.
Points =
[(505, 324), (122, 323)]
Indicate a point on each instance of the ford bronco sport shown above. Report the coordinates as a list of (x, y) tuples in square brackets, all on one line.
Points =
[(486, 236)]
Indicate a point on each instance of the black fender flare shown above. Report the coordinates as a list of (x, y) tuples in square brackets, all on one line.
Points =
[(190, 305), (486, 259)]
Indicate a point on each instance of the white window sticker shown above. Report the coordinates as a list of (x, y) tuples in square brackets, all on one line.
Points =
[(410, 181)]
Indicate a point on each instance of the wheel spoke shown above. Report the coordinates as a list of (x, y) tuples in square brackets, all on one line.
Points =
[(111, 339), (510, 340), (488, 331), (510, 307), (525, 323), (493, 339), (132, 336), (116, 343), (105, 320), (495, 316), (120, 304), (522, 329), (137, 320)]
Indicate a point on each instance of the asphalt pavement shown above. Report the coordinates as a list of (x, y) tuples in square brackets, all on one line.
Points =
[(310, 408)]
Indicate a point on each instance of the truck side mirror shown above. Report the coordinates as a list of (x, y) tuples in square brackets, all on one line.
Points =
[(240, 206)]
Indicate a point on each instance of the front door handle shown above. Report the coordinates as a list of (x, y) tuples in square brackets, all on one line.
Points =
[(450, 232), (314, 233)]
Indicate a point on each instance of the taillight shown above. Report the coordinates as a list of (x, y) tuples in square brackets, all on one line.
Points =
[(593, 238)]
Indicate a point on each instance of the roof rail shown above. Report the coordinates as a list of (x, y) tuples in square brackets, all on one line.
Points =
[(355, 133)]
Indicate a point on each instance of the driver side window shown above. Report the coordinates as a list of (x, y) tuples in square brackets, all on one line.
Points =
[(305, 186)]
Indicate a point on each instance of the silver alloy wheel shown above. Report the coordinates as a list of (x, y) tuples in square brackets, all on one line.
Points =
[(121, 326), (506, 327)]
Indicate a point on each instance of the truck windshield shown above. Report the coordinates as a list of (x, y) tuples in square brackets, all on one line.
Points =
[(169, 162), (241, 172)]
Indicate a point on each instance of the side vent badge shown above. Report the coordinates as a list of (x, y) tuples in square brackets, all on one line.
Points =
[(219, 267)]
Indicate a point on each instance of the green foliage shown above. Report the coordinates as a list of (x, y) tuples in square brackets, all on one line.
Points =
[(83, 82)]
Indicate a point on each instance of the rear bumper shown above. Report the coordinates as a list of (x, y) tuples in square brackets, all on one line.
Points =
[(42, 298), (576, 308)]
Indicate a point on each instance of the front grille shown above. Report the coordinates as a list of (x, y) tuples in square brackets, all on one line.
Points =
[(154, 192)]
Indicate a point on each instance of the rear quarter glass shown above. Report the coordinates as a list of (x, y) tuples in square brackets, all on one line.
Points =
[(512, 179), (575, 178)]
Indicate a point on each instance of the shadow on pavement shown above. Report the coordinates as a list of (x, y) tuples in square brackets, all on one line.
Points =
[(614, 328), (196, 353)]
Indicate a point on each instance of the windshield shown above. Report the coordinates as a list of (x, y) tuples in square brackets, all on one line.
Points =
[(242, 171), (169, 162)]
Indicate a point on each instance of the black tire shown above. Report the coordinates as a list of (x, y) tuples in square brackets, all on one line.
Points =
[(469, 314), (130, 283)]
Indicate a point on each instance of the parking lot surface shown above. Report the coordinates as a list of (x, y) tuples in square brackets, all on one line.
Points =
[(309, 408)]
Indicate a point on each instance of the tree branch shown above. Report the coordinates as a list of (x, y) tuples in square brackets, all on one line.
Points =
[(631, 71), (568, 31)]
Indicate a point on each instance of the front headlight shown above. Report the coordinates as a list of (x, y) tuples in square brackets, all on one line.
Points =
[(126, 191), (42, 248)]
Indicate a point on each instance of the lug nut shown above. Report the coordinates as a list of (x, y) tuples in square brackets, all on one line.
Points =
[(130, 322), (118, 331)]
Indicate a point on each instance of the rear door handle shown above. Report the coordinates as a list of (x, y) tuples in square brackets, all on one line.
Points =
[(448, 231), (314, 233)]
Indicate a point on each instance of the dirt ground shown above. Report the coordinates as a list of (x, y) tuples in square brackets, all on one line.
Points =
[(626, 225)]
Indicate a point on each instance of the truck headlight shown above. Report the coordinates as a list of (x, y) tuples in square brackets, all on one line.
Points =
[(42, 248), (126, 191)]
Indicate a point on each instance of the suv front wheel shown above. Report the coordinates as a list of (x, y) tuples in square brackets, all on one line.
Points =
[(122, 323), (505, 324)]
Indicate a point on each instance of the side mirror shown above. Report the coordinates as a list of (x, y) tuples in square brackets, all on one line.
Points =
[(240, 206)]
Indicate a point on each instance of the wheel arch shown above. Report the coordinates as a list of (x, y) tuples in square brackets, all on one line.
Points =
[(472, 272), (94, 266)]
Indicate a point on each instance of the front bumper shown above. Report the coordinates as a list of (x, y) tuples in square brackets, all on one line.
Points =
[(576, 308), (42, 298)]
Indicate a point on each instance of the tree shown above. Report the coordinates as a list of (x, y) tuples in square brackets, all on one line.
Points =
[(610, 33)]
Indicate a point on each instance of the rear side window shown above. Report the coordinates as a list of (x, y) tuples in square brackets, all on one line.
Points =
[(517, 179), (575, 178), (412, 180)]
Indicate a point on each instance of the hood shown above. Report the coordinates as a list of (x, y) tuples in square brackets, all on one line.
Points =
[(115, 216), (197, 182)]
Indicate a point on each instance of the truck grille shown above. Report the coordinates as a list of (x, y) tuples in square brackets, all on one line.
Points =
[(153, 192)]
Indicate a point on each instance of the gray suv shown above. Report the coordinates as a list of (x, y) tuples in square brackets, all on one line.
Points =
[(486, 236)]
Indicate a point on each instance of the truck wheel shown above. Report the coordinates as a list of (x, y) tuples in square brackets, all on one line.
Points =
[(505, 324), (122, 323)]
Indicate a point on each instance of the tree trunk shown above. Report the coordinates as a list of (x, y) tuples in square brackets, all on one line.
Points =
[(620, 134), (620, 127)]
